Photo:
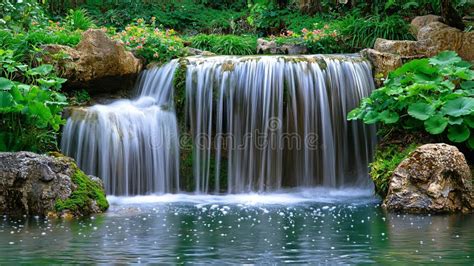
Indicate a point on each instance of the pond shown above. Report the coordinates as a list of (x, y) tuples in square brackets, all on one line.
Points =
[(304, 226)]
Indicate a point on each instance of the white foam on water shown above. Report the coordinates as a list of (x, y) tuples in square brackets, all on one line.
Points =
[(282, 197)]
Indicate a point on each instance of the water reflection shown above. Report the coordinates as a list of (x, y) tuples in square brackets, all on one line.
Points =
[(240, 229)]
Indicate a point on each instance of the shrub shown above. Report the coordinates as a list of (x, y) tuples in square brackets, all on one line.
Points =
[(225, 44), (434, 95), (30, 109), (321, 40), (150, 42)]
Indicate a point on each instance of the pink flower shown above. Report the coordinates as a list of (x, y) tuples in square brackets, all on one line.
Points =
[(139, 47), (304, 30)]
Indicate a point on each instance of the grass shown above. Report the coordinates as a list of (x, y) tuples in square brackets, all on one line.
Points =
[(225, 44)]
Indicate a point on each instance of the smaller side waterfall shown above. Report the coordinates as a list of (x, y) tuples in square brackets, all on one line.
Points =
[(131, 144)]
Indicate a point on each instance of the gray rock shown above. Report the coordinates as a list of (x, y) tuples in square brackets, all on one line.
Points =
[(435, 178), (271, 47), (31, 184), (193, 52)]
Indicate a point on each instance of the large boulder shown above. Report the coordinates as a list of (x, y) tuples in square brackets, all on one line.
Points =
[(435, 178), (33, 184), (97, 64), (439, 37), (419, 22)]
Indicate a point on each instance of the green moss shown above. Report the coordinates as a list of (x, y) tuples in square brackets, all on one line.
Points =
[(179, 83), (86, 191), (387, 158)]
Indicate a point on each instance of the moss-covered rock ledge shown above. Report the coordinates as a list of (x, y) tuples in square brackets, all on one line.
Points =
[(47, 185)]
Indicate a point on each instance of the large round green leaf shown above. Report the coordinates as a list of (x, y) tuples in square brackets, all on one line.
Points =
[(42, 70), (436, 124), (455, 120), (389, 117), (6, 100), (458, 133), (371, 117), (5, 84), (470, 142), (469, 120), (421, 111), (445, 58), (40, 110), (458, 107)]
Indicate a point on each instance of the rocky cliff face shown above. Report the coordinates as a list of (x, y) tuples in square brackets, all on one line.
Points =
[(435, 178), (33, 184)]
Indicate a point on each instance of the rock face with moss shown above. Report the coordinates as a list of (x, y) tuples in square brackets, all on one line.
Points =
[(435, 178), (33, 184)]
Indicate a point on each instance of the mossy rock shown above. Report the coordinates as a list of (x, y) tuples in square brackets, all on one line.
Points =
[(47, 185), (87, 196)]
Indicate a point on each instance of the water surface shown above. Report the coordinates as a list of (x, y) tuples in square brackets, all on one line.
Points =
[(305, 226)]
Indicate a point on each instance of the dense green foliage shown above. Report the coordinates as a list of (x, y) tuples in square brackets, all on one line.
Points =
[(159, 30), (386, 159), (30, 105), (435, 95), (187, 16)]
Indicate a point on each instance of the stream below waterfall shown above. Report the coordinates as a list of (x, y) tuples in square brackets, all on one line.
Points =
[(297, 226)]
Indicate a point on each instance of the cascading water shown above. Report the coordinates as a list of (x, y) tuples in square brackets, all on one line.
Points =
[(131, 144), (257, 124), (278, 121)]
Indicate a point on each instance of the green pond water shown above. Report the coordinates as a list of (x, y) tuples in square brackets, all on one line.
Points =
[(307, 226)]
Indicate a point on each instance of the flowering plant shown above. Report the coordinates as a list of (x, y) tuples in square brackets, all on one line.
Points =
[(151, 42), (322, 39)]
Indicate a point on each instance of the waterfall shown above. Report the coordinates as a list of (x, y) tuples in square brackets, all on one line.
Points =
[(131, 144), (257, 123), (278, 120)]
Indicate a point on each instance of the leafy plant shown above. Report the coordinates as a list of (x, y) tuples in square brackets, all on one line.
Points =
[(79, 97), (30, 109), (225, 44), (435, 95)]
